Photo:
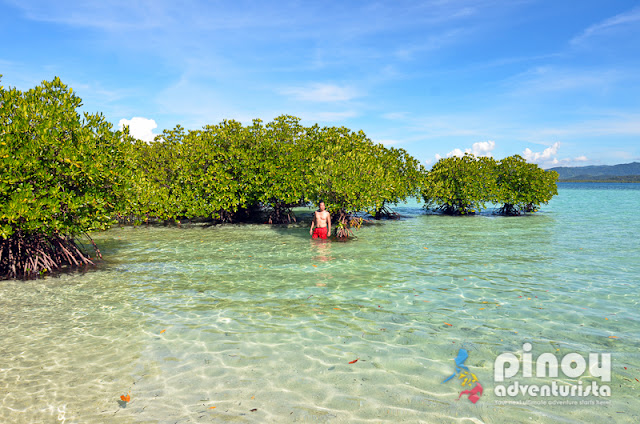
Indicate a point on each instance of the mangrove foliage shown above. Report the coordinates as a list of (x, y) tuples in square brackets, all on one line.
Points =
[(465, 185), (65, 174)]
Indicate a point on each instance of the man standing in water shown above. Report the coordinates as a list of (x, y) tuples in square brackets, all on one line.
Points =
[(322, 222)]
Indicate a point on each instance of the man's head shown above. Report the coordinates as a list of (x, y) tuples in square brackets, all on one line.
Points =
[(321, 205)]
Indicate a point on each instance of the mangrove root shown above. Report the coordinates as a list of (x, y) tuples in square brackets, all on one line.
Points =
[(26, 256)]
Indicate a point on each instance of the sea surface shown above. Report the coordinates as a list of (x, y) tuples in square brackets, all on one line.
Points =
[(260, 324)]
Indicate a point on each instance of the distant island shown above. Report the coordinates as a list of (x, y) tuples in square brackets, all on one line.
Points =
[(622, 173)]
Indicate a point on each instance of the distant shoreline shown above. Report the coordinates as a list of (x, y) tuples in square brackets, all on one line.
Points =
[(618, 179)]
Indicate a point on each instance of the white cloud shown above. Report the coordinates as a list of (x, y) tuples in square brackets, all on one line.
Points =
[(140, 128), (544, 156), (455, 152), (321, 93), (481, 148), (547, 158)]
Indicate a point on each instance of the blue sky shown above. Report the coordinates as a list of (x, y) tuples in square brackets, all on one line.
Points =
[(557, 82)]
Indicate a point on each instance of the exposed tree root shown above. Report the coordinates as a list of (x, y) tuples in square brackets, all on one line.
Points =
[(346, 223), (281, 214), (385, 212), (26, 256)]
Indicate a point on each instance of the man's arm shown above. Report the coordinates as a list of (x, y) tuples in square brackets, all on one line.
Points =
[(313, 222), (328, 223)]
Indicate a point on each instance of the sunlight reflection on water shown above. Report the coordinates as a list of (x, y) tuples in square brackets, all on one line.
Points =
[(245, 317)]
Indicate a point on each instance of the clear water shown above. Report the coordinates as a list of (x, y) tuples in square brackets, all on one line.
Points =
[(261, 322)]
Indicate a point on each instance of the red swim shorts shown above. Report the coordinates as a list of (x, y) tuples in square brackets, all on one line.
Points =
[(320, 233)]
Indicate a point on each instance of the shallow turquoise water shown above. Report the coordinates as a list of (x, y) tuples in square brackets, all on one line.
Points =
[(257, 317)]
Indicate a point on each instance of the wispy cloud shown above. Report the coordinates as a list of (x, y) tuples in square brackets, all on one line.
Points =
[(631, 17), (326, 116), (552, 79), (301, 20), (464, 124), (623, 155), (319, 92), (396, 116), (112, 15), (96, 91), (432, 75), (193, 104), (434, 42), (622, 124)]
